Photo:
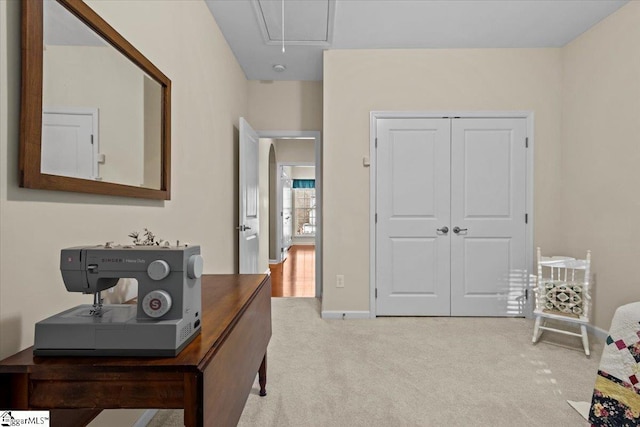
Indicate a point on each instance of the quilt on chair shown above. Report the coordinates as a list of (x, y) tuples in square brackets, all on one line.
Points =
[(616, 395), (561, 297)]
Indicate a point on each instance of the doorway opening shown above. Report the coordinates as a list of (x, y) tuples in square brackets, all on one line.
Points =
[(295, 211)]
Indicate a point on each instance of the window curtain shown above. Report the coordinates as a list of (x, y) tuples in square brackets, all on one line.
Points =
[(304, 183)]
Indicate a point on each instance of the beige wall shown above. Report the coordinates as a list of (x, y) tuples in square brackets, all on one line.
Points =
[(209, 93), (601, 156), (295, 150), (303, 172), (285, 105), (357, 82)]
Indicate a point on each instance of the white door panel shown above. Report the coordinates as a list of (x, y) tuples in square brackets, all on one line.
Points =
[(486, 169), (408, 255), (248, 199), (413, 193), (488, 200)]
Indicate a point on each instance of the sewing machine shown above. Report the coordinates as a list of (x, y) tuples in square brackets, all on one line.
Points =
[(164, 320)]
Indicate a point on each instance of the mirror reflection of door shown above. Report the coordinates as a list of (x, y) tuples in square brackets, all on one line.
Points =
[(68, 144)]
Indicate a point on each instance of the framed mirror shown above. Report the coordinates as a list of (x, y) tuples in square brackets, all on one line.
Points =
[(95, 113)]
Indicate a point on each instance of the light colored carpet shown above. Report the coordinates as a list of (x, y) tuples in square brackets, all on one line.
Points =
[(414, 372)]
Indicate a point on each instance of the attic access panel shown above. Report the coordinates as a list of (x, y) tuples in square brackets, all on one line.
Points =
[(305, 22)]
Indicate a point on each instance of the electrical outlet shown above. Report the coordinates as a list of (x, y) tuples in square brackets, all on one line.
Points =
[(340, 281)]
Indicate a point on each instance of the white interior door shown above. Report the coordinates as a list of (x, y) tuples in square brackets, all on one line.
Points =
[(468, 175), (488, 196), (248, 199), (287, 213), (68, 147), (413, 185)]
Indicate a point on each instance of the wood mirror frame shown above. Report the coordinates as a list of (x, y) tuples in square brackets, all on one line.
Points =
[(31, 106)]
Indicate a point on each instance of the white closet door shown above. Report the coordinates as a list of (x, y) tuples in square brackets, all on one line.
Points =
[(488, 190), (413, 190)]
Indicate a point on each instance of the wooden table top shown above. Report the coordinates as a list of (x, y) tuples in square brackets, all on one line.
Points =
[(224, 299)]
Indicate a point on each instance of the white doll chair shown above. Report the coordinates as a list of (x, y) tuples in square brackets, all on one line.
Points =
[(563, 294)]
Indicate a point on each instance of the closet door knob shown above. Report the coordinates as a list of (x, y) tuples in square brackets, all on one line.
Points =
[(457, 229), (443, 230)]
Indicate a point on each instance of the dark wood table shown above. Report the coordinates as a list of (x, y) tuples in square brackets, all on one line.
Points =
[(211, 378)]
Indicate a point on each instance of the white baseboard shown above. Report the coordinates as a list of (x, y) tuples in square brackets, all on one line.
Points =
[(346, 315), (146, 418), (599, 333)]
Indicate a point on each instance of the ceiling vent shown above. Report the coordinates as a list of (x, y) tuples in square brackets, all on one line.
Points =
[(307, 23)]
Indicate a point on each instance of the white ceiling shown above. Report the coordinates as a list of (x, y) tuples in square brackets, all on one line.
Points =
[(62, 28), (254, 32)]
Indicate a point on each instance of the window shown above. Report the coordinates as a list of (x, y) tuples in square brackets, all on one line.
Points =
[(304, 207)]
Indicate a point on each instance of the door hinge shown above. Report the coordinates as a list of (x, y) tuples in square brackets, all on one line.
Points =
[(376, 218), (376, 142), (91, 139), (526, 218), (526, 142), (376, 292), (526, 294)]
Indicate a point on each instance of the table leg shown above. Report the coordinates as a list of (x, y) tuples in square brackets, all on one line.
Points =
[(262, 376), (14, 391)]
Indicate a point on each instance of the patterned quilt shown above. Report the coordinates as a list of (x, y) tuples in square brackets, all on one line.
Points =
[(616, 395)]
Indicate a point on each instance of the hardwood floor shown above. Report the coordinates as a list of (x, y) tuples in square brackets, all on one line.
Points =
[(295, 277)]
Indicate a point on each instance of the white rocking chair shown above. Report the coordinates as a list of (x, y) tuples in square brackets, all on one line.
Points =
[(563, 294)]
